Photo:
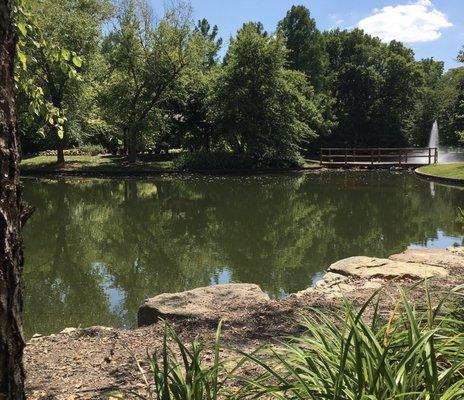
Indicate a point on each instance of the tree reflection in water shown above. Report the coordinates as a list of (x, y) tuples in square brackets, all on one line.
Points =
[(96, 248)]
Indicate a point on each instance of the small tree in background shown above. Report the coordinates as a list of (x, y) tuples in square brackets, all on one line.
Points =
[(261, 108)]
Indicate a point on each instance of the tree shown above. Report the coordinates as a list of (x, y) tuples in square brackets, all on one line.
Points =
[(427, 106), (451, 113), (375, 86), (12, 217), (145, 62), (204, 27), (67, 30), (305, 44), (262, 109), (190, 107)]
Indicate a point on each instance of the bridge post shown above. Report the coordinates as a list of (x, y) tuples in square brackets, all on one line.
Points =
[(436, 155), (430, 156)]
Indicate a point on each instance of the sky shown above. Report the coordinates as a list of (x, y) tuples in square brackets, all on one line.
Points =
[(432, 28)]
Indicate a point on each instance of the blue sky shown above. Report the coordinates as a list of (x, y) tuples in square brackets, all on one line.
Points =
[(432, 28)]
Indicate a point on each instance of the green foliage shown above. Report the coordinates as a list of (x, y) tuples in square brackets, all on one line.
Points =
[(185, 377), (345, 355), (428, 102), (216, 160), (62, 41), (260, 108), (305, 44), (376, 86), (414, 355), (146, 84), (31, 38)]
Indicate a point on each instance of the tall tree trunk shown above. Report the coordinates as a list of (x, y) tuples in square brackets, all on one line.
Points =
[(125, 151), (132, 146), (11, 216), (59, 147)]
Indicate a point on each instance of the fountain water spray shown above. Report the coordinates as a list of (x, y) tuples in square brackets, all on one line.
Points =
[(434, 140)]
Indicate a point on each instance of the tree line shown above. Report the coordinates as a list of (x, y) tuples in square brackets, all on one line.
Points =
[(149, 82)]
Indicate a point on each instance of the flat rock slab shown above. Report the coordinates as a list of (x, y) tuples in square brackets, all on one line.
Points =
[(369, 267), (451, 258), (211, 302)]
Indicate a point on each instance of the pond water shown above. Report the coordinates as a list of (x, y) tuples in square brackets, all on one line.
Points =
[(96, 248)]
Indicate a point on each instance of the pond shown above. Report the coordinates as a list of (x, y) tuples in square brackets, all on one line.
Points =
[(96, 248)]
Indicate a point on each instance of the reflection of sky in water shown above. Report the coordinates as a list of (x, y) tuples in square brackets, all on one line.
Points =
[(224, 276), (221, 277), (115, 296), (440, 242)]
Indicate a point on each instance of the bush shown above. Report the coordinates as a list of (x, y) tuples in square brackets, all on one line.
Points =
[(412, 356), (223, 160), (83, 150), (187, 376)]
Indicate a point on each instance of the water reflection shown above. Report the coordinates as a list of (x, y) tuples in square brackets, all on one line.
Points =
[(96, 248)]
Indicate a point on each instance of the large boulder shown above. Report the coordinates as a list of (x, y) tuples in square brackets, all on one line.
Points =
[(435, 257), (212, 302), (370, 267)]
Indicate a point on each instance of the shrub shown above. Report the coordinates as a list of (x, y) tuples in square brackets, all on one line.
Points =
[(348, 355), (184, 377), (412, 356), (83, 150), (223, 160)]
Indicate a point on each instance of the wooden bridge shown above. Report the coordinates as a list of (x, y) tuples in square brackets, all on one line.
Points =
[(378, 157)]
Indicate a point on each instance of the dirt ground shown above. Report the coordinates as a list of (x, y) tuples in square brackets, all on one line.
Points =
[(95, 362)]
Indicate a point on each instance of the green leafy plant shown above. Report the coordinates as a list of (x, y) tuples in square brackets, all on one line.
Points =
[(413, 355), (181, 373), (224, 160)]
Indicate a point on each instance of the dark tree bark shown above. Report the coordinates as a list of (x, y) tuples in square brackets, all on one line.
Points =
[(12, 215)]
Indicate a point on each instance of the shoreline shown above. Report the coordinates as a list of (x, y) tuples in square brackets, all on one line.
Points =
[(94, 361), (40, 173), (439, 179)]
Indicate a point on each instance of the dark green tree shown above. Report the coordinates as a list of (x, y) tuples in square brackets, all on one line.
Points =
[(375, 86), (428, 102), (261, 108), (305, 44)]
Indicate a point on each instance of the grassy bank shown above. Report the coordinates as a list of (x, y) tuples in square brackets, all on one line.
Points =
[(453, 171), (94, 164), (106, 164)]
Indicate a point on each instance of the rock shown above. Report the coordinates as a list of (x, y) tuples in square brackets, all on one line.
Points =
[(330, 279), (335, 286), (68, 331), (459, 250), (369, 267), (434, 257), (204, 303)]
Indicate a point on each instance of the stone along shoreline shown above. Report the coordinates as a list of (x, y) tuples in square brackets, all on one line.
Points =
[(87, 363)]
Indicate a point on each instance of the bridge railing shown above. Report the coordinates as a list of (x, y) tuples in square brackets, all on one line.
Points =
[(381, 155)]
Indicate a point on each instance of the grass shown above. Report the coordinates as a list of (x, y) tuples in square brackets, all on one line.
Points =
[(414, 353), (93, 164), (450, 171), (105, 164)]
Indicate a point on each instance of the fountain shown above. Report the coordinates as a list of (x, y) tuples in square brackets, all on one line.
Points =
[(445, 155), (434, 140)]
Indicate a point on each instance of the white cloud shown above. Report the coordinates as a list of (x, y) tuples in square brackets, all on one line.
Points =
[(410, 23)]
